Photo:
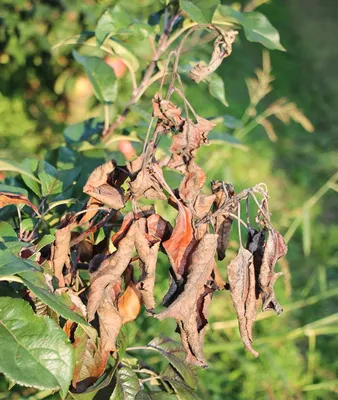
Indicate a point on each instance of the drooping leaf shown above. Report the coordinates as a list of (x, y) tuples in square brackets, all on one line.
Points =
[(190, 307), (222, 49), (24, 338), (275, 248), (241, 277), (199, 11), (101, 75), (256, 26), (223, 222), (127, 385), (216, 89)]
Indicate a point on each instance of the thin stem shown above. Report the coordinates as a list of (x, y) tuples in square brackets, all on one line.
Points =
[(239, 225), (106, 118), (91, 209), (20, 221)]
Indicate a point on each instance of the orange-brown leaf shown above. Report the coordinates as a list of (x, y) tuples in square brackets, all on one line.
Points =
[(7, 198)]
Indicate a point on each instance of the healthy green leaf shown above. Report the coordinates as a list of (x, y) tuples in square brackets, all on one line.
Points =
[(172, 352), (82, 131), (200, 11), (48, 177), (47, 239), (127, 385), (216, 89), (12, 265), (122, 52), (56, 302), (34, 350), (111, 22), (101, 75), (256, 26), (8, 165), (31, 165), (183, 391)]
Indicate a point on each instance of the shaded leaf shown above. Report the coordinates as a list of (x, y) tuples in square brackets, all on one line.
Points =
[(24, 338), (155, 396), (111, 22), (12, 265), (8, 165)]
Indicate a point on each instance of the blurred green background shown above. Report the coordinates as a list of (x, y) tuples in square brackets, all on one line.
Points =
[(41, 92)]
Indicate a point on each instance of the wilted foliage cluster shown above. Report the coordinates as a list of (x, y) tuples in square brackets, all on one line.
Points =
[(97, 269)]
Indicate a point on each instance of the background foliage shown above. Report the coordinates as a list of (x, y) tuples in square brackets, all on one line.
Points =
[(43, 91)]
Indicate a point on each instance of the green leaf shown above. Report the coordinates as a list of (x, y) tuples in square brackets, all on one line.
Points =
[(7, 232), (216, 89), (231, 122), (82, 131), (155, 396), (34, 350), (101, 75), (122, 52), (127, 385), (111, 22), (56, 302), (172, 351), (256, 26), (49, 182), (8, 165), (306, 231), (31, 166), (12, 265), (200, 11)]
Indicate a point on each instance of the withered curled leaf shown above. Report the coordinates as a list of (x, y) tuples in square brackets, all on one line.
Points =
[(7, 198), (223, 222), (275, 248), (222, 49), (202, 207), (60, 249), (190, 307), (143, 182), (109, 272), (168, 113), (100, 186), (187, 142), (178, 249), (192, 183), (241, 277)]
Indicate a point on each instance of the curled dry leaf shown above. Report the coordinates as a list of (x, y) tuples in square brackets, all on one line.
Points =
[(143, 182), (241, 277), (187, 142), (202, 207), (178, 249), (168, 113), (190, 307), (275, 248), (99, 186), (148, 258), (223, 222), (109, 272), (60, 249), (222, 49), (192, 183), (7, 198)]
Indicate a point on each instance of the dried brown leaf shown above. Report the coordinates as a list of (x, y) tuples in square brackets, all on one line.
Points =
[(241, 277), (275, 248), (109, 272), (7, 198), (192, 183), (222, 49), (129, 304), (223, 222), (202, 207), (144, 183), (178, 249), (168, 113), (189, 309), (100, 188)]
